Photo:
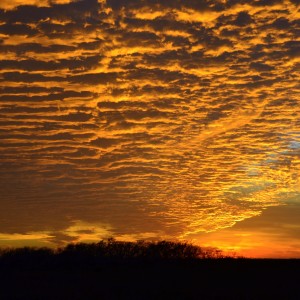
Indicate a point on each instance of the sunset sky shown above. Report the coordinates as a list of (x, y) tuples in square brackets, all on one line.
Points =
[(151, 119)]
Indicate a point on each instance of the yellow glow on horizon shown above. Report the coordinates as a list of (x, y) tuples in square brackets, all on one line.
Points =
[(251, 244)]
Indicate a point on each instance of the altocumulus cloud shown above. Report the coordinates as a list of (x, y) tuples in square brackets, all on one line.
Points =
[(155, 117)]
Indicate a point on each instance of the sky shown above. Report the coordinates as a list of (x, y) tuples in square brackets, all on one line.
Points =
[(151, 120)]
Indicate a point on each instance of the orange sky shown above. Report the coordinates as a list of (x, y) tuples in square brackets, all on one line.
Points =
[(148, 119)]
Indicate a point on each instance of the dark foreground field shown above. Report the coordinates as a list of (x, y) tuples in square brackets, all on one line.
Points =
[(147, 271)]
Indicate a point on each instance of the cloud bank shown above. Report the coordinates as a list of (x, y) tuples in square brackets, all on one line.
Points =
[(155, 117)]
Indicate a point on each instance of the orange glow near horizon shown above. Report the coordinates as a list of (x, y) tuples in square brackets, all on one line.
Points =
[(159, 121)]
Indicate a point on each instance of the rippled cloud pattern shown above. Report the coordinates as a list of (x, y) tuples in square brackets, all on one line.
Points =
[(145, 119)]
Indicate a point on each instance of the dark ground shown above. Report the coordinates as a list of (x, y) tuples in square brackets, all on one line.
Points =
[(142, 270), (206, 279)]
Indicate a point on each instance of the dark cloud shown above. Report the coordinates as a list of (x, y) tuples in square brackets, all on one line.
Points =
[(95, 78), (261, 66), (84, 63), (17, 29), (105, 142), (118, 4), (29, 89), (91, 45), (77, 11), (37, 48), (230, 33), (281, 23), (293, 48), (75, 117), (158, 24), (29, 77), (135, 39), (48, 97), (266, 2), (243, 19)]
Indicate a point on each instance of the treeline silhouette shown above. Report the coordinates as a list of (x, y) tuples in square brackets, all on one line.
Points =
[(113, 269), (105, 251)]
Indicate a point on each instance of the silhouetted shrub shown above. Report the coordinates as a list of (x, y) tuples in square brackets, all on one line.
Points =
[(105, 251), (26, 257)]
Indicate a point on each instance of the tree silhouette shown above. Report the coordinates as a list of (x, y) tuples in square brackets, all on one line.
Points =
[(108, 250)]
